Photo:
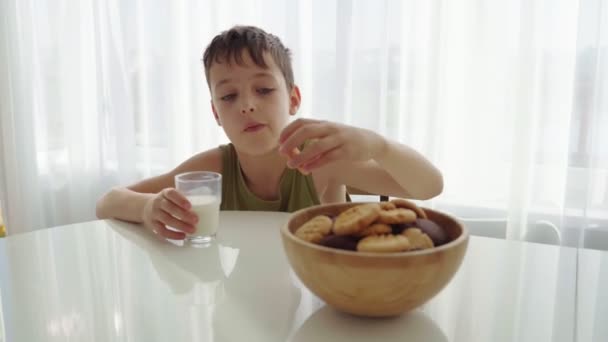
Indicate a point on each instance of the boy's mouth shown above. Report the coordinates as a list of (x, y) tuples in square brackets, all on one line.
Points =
[(253, 127)]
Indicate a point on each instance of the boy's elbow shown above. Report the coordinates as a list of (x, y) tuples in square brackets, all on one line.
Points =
[(99, 212), (434, 188), (438, 186), (100, 207)]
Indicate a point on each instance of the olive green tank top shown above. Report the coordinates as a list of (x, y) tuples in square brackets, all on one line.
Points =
[(297, 191)]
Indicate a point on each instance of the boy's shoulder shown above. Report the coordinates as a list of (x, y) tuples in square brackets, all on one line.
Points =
[(209, 160)]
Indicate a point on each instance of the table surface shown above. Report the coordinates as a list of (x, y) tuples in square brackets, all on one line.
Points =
[(113, 281)]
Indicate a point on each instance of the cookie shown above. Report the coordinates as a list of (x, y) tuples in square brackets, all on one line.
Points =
[(346, 242), (355, 219), (293, 153), (399, 215), (383, 244), (376, 229), (418, 239), (403, 203), (315, 229), (433, 230)]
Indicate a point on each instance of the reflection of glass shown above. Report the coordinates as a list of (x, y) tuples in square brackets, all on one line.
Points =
[(196, 272), (236, 285), (195, 277), (204, 191), (328, 324)]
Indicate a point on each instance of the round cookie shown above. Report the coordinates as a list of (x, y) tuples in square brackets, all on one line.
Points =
[(355, 219), (383, 244), (376, 229), (403, 203), (395, 216), (418, 239), (294, 153), (315, 229)]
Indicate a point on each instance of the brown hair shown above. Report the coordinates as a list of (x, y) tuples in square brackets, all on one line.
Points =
[(229, 46)]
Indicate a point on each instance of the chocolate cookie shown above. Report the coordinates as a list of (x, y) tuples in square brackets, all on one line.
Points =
[(346, 242), (433, 230)]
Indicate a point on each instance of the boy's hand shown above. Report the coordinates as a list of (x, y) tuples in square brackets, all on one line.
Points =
[(330, 142), (169, 208)]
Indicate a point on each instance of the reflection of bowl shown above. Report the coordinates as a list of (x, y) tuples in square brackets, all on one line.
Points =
[(327, 324), (371, 284)]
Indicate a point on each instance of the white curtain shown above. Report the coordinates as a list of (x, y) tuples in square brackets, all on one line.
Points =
[(508, 98)]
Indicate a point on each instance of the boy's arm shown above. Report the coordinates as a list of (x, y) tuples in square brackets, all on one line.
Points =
[(127, 203), (360, 158), (122, 203), (397, 171)]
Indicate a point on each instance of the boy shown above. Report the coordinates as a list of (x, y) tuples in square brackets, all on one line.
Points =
[(270, 164)]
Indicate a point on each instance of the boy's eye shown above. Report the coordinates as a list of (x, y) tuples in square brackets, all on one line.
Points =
[(228, 97), (265, 91)]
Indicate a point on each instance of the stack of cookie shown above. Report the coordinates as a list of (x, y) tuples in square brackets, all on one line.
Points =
[(385, 227)]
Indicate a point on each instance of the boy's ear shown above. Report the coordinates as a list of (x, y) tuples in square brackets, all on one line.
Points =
[(294, 100), (217, 118)]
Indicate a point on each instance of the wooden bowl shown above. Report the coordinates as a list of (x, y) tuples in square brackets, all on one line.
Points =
[(372, 284)]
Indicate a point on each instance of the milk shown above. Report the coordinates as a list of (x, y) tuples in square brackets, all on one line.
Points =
[(207, 208)]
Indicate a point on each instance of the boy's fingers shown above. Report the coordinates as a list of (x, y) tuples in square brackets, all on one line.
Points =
[(326, 158), (293, 153), (172, 209), (313, 151), (177, 198), (292, 127), (304, 133), (161, 230), (170, 234), (156, 226), (171, 221)]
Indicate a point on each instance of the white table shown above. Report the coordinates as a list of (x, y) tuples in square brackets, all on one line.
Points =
[(112, 281)]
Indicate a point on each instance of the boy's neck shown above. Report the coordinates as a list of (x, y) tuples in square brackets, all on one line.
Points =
[(263, 173)]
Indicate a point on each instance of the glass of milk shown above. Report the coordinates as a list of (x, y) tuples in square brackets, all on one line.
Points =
[(204, 191)]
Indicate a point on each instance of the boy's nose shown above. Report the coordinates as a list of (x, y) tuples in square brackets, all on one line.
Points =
[(245, 110)]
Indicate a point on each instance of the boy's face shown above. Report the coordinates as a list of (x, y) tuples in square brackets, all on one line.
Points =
[(252, 103)]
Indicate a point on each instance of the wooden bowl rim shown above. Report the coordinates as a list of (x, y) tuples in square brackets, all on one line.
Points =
[(464, 236)]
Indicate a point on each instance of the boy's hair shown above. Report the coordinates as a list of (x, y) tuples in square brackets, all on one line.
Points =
[(228, 46)]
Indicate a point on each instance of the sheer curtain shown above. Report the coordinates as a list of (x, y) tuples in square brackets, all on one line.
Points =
[(508, 98)]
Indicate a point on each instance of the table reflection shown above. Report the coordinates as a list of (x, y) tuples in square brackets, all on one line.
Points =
[(328, 324)]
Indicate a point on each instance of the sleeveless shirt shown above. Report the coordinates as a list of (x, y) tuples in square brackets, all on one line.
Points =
[(297, 191)]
